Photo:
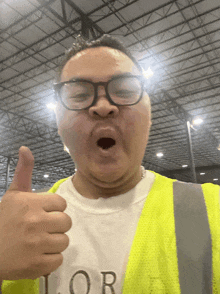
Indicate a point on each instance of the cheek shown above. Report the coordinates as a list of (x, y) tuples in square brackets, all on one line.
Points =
[(138, 127), (139, 122), (67, 126)]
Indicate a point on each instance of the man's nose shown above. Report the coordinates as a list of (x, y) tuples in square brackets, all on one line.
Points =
[(103, 107)]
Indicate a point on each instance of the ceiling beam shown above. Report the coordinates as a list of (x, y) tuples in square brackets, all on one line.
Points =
[(85, 18)]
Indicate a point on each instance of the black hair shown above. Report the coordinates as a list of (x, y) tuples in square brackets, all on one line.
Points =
[(81, 44)]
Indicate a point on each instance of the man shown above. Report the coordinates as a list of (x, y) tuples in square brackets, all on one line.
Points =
[(114, 171), (129, 230)]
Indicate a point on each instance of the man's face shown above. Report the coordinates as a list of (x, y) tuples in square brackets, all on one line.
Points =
[(130, 125)]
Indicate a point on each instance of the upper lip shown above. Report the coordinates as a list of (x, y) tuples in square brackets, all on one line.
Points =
[(105, 132)]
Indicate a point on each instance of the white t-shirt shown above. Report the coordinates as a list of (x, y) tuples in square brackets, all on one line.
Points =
[(100, 240)]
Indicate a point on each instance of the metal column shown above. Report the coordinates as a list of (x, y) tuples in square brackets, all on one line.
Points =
[(192, 164)]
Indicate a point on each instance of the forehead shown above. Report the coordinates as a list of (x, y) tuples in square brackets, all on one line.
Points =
[(98, 64)]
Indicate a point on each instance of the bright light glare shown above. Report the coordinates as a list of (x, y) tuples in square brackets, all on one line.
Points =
[(148, 73), (160, 154), (66, 149), (202, 174), (184, 165), (46, 176), (51, 106), (215, 179), (197, 121)]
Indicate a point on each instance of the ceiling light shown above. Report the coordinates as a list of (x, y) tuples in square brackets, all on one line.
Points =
[(184, 165), (33, 189), (148, 73), (215, 179), (197, 121), (46, 176), (202, 174), (218, 147), (160, 154)]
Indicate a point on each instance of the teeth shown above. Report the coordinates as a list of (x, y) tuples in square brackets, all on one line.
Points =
[(106, 143)]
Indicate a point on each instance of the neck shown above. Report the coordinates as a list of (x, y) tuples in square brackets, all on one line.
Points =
[(93, 189)]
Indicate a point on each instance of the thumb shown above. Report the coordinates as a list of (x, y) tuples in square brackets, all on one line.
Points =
[(23, 173)]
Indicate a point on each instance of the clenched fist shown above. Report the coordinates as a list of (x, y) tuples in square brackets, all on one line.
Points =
[(32, 227)]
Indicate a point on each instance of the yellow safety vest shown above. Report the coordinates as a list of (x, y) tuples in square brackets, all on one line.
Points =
[(176, 248)]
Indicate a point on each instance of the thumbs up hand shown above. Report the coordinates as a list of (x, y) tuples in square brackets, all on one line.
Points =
[(32, 227)]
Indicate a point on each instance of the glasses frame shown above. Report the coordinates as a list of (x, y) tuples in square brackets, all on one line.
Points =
[(57, 88)]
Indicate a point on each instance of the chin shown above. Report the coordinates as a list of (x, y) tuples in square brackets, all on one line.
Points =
[(108, 174)]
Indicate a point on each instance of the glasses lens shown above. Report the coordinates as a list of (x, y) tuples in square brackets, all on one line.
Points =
[(125, 90), (77, 95)]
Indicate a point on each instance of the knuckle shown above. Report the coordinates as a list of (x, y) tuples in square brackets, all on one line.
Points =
[(32, 242), (68, 221), (33, 219), (66, 241), (36, 265), (60, 259), (62, 201), (32, 223)]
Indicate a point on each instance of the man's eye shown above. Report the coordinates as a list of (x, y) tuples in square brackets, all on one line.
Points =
[(79, 96), (124, 93)]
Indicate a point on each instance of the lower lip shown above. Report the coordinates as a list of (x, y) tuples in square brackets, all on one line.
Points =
[(107, 152)]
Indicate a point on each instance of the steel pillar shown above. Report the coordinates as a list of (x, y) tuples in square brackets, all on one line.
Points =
[(191, 159)]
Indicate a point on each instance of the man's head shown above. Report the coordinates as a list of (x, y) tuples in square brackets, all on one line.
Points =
[(128, 125), (104, 41)]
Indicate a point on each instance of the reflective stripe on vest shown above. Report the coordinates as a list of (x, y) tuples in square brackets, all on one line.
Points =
[(193, 239)]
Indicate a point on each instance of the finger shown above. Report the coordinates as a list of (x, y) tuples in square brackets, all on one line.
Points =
[(23, 174), (58, 222)]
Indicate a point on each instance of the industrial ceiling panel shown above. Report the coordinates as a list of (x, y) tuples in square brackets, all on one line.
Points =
[(7, 16), (86, 5), (178, 40), (22, 6), (30, 35), (47, 25)]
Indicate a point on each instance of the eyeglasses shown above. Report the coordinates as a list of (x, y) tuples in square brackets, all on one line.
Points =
[(81, 94)]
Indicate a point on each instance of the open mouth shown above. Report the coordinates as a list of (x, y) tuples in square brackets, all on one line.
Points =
[(106, 143)]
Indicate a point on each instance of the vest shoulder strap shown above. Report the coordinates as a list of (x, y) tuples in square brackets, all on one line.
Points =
[(56, 185), (193, 238)]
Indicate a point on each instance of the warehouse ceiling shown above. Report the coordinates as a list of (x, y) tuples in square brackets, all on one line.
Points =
[(178, 40)]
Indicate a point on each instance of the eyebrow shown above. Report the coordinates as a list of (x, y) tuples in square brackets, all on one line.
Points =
[(126, 74)]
